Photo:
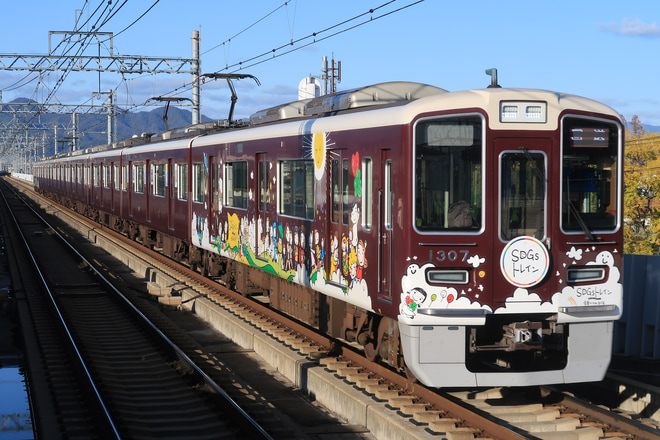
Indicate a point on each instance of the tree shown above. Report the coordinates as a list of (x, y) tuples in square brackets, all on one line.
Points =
[(642, 190)]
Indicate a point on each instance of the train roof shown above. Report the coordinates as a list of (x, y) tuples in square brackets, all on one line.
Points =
[(383, 94), (389, 99)]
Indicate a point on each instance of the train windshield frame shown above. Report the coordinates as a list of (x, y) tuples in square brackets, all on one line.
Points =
[(449, 174), (591, 161)]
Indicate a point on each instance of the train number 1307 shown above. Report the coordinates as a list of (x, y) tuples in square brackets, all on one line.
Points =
[(451, 255)]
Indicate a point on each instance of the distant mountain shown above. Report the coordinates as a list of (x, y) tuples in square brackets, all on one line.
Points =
[(92, 127), (652, 128)]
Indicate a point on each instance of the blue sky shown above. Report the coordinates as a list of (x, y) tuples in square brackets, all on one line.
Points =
[(604, 50)]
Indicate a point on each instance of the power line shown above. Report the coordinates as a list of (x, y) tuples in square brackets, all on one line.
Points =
[(228, 40), (241, 65), (137, 19)]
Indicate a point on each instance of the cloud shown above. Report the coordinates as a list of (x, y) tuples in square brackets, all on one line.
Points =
[(632, 27)]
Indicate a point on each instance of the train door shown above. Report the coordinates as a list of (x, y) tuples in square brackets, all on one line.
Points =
[(385, 226), (338, 230), (521, 219), (263, 204)]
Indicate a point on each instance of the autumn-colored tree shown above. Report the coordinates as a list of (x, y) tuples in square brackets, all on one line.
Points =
[(642, 191)]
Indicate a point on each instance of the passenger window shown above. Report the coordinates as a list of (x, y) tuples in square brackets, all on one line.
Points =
[(335, 191), (138, 178), (182, 181), (236, 184), (366, 192), (297, 188), (159, 171), (124, 177), (199, 182)]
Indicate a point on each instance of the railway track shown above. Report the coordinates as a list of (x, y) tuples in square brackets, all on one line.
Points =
[(392, 406), (108, 372)]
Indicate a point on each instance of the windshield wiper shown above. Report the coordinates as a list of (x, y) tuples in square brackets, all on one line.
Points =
[(580, 220)]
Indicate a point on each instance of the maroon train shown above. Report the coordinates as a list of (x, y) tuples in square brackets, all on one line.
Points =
[(472, 238)]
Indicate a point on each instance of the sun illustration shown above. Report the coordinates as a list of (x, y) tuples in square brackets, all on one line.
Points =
[(318, 154)]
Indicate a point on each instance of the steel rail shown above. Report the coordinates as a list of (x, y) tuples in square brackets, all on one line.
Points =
[(61, 321), (257, 430)]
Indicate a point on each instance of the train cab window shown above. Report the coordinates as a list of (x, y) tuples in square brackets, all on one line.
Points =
[(236, 184), (138, 178), (296, 195), (448, 174), (590, 163), (522, 194), (182, 181), (159, 170), (198, 182)]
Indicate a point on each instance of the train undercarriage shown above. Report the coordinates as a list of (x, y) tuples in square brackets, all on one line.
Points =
[(377, 335)]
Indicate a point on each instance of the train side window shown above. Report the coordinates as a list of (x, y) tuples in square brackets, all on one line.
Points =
[(366, 192), (158, 178), (213, 169), (96, 175), (335, 191), (236, 184), (264, 187), (107, 176), (344, 195), (138, 178), (124, 177), (388, 195), (182, 181), (198, 182), (297, 188), (116, 177)]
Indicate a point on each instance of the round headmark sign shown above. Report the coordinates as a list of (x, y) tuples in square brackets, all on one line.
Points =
[(525, 261)]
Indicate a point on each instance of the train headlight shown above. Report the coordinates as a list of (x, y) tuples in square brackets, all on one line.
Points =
[(447, 276), (523, 111), (586, 274)]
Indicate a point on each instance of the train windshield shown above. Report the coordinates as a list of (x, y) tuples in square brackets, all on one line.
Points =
[(589, 177), (448, 174)]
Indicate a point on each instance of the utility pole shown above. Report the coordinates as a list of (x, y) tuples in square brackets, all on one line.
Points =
[(109, 63), (196, 70)]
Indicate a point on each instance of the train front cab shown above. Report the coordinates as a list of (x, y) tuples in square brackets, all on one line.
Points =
[(518, 226)]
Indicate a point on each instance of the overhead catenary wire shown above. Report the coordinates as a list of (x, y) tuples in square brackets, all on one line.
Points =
[(108, 10), (314, 36)]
